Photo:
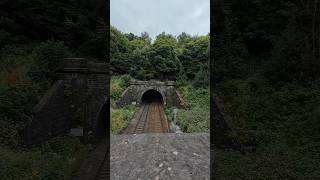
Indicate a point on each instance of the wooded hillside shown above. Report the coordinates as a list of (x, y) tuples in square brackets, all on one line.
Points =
[(266, 71), (81, 24), (35, 35)]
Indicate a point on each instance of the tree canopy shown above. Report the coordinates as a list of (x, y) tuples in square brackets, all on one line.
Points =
[(166, 58), (266, 72), (80, 24)]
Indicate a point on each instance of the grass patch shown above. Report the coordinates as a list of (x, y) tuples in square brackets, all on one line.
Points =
[(274, 161), (196, 117), (120, 118), (57, 160), (280, 122)]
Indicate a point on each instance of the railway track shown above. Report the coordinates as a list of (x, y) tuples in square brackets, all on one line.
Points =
[(150, 118), (104, 168), (142, 122)]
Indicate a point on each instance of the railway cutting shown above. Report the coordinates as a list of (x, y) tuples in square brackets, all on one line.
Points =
[(150, 118)]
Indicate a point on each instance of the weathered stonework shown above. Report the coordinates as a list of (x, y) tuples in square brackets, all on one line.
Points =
[(78, 98), (133, 94)]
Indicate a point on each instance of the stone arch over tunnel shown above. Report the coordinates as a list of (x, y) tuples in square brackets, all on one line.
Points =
[(151, 95), (136, 89)]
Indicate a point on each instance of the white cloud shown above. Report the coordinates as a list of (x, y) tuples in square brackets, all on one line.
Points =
[(156, 16)]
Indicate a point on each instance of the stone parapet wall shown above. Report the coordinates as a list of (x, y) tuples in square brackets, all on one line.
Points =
[(51, 117), (75, 100)]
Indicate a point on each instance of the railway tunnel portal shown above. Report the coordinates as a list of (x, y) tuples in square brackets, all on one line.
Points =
[(139, 91), (151, 96)]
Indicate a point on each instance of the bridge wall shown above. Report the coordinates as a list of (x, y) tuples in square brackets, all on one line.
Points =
[(51, 117), (79, 99)]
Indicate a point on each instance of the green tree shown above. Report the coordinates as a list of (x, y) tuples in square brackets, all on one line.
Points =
[(184, 38), (164, 58), (195, 54), (119, 49)]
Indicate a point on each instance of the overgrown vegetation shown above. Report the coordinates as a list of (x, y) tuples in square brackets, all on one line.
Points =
[(182, 58), (35, 36), (117, 86), (80, 24), (57, 159), (26, 73), (196, 116), (120, 117), (266, 71)]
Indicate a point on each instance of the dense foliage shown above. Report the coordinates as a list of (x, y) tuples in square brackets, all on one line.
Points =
[(35, 35), (120, 117), (196, 116), (26, 73), (80, 24), (183, 58), (266, 70), (58, 159)]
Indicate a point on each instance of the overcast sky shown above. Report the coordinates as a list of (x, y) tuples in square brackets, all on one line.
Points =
[(156, 16)]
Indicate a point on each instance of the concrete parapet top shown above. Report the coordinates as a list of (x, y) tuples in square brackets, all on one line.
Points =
[(82, 65), (160, 156), (152, 83)]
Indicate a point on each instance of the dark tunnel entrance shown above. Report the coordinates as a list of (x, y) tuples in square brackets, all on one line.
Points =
[(151, 96), (102, 124)]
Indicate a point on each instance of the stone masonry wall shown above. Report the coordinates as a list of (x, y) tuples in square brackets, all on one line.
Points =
[(51, 117), (76, 100), (133, 94)]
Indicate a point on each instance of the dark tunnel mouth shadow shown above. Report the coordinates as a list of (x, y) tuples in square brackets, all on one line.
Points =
[(101, 127), (151, 96)]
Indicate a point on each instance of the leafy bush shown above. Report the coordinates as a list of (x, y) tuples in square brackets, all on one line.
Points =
[(120, 118), (201, 78), (65, 146), (47, 58), (26, 73), (55, 160), (125, 80), (14, 65), (197, 117), (194, 120), (117, 86), (16, 112), (196, 97), (275, 161), (116, 89), (283, 125)]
